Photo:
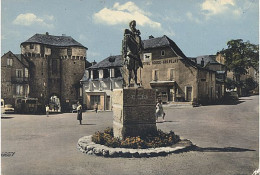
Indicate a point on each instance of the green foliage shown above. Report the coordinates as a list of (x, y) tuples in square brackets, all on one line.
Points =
[(250, 84), (153, 140), (230, 84), (241, 55)]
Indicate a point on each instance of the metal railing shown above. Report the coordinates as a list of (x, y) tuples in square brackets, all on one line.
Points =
[(19, 79)]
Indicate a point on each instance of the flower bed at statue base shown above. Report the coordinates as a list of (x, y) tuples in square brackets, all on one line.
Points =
[(153, 140), (156, 144)]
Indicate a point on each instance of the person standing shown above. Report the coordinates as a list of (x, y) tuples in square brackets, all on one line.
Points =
[(159, 111), (47, 108), (96, 107), (79, 112)]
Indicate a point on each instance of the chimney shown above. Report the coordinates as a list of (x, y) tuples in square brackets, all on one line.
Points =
[(202, 62), (47, 33), (151, 37)]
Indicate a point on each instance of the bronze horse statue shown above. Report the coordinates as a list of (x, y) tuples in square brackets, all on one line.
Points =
[(131, 50)]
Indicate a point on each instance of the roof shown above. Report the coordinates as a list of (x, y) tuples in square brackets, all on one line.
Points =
[(60, 41), (111, 61), (163, 41), (20, 58), (207, 59)]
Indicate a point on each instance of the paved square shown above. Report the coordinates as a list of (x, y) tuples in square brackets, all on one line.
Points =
[(226, 137)]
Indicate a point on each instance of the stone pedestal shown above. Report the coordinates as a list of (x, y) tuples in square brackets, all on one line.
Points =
[(133, 112)]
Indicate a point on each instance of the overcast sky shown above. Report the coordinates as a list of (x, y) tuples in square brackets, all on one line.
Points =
[(198, 27)]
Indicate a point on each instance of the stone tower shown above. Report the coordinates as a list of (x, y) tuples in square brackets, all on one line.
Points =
[(57, 63)]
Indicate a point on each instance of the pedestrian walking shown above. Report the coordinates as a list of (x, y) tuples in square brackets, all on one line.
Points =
[(159, 111), (96, 107), (79, 112), (47, 108)]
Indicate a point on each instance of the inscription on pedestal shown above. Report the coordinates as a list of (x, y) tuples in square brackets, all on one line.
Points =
[(134, 112)]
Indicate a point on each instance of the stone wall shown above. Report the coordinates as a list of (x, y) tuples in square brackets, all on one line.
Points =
[(72, 70), (157, 53), (62, 81), (133, 112), (184, 75), (39, 78)]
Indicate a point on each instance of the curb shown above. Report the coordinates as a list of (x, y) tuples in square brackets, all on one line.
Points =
[(85, 145)]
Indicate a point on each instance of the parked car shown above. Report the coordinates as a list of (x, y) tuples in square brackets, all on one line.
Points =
[(8, 108), (2, 106), (27, 105)]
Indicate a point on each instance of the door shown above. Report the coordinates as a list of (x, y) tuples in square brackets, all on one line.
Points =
[(188, 93), (108, 103)]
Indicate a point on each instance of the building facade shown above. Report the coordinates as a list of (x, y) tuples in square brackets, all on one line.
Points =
[(174, 76), (210, 62), (56, 65), (14, 78), (100, 80)]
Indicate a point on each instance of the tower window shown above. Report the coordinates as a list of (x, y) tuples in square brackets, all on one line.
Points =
[(162, 53), (69, 52), (54, 66), (31, 46)]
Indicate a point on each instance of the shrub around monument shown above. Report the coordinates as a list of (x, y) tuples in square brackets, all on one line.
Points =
[(153, 140)]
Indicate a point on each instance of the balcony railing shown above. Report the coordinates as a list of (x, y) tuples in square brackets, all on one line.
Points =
[(19, 79)]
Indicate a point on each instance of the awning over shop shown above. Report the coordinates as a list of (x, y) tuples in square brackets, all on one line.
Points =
[(162, 83)]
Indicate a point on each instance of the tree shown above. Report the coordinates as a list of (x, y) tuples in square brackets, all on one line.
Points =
[(239, 56)]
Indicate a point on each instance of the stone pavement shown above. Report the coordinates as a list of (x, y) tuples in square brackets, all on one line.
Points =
[(226, 139)]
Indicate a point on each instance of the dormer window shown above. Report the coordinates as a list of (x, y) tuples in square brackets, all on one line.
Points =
[(117, 72), (95, 74), (163, 53), (105, 73)]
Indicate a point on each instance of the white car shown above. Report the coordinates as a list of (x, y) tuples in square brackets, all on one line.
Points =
[(8, 109)]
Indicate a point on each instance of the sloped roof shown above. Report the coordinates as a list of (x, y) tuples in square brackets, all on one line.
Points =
[(163, 41), (19, 57), (22, 59), (207, 59), (111, 61), (61, 41)]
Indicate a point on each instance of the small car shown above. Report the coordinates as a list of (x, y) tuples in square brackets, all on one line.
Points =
[(8, 108)]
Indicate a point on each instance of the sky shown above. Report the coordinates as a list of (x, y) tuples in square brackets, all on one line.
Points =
[(198, 27)]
